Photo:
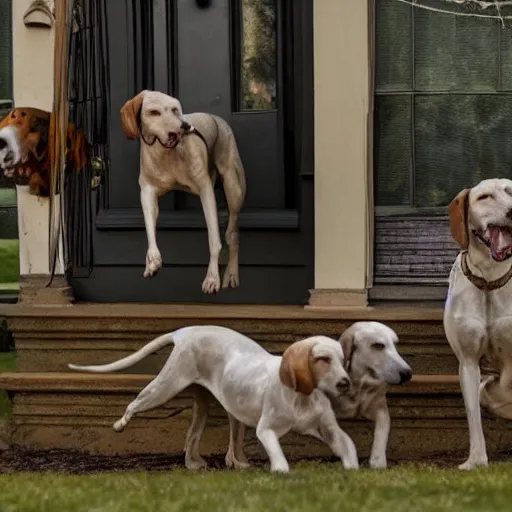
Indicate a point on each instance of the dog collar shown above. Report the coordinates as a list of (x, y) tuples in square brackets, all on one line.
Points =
[(480, 282)]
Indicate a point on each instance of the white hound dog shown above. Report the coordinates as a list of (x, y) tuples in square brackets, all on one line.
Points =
[(478, 310), (274, 394), (186, 152), (371, 361)]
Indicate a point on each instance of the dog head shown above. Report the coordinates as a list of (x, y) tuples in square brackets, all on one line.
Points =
[(25, 134), (369, 349), (315, 362), (10, 151), (482, 217), (159, 117)]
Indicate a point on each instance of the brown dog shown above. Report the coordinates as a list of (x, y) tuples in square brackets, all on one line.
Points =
[(26, 152)]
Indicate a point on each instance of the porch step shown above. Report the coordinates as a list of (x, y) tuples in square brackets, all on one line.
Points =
[(48, 338), (76, 411)]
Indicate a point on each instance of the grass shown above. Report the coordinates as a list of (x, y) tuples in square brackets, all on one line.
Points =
[(7, 197), (9, 265), (309, 487)]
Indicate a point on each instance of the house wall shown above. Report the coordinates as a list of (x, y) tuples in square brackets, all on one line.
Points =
[(342, 113)]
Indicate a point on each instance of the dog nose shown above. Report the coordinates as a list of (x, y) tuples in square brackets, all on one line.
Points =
[(509, 214), (405, 376), (343, 385), (9, 157), (185, 126)]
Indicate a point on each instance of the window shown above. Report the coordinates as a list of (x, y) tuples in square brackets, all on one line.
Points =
[(9, 251), (443, 102), (5, 57)]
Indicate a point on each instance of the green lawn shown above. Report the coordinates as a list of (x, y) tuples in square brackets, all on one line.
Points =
[(9, 265), (7, 197), (310, 487)]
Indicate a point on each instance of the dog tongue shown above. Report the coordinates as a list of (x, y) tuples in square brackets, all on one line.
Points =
[(500, 240)]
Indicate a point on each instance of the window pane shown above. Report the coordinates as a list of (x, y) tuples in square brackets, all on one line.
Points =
[(506, 55), (393, 46), (455, 52), (258, 55), (392, 153), (460, 140), (5, 50)]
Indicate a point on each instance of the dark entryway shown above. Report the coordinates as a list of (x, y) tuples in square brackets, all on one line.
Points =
[(251, 62)]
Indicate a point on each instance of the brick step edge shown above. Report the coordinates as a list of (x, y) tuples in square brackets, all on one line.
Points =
[(133, 383)]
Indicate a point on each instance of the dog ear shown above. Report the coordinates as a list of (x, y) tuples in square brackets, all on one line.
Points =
[(458, 212), (347, 342), (296, 369), (129, 114)]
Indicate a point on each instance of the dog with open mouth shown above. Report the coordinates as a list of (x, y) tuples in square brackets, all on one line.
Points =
[(26, 152), (477, 315), (186, 152)]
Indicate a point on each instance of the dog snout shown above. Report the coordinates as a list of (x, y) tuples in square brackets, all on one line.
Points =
[(185, 126), (343, 385), (9, 158), (405, 375)]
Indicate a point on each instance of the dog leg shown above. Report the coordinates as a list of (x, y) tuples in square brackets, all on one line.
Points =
[(235, 456), (380, 438), (157, 392), (193, 459), (469, 373), (211, 283), (338, 440), (270, 441), (149, 202), (235, 198)]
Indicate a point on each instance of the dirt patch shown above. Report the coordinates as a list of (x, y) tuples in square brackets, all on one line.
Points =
[(74, 462)]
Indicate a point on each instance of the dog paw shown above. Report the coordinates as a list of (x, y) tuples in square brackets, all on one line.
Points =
[(195, 464), (378, 463), (119, 425), (233, 463), (474, 462), (211, 283), (230, 279), (153, 262)]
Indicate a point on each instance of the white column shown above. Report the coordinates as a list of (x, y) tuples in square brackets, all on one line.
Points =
[(33, 87), (342, 188)]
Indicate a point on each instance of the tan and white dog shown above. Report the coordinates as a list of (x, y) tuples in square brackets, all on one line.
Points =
[(186, 152), (478, 310), (271, 393), (371, 361)]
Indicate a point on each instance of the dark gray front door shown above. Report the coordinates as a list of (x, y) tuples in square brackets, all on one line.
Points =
[(249, 61)]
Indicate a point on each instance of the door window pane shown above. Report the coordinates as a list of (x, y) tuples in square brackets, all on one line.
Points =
[(258, 55)]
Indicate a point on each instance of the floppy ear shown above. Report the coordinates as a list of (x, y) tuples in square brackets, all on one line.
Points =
[(458, 212), (296, 369), (129, 112), (347, 344)]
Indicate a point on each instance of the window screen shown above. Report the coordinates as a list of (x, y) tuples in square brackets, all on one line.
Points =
[(443, 105)]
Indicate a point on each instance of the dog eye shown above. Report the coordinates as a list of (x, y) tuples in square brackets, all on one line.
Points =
[(378, 346), (483, 196), (154, 113), (175, 111), (323, 359)]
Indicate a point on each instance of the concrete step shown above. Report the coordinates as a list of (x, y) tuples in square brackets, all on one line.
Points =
[(76, 411)]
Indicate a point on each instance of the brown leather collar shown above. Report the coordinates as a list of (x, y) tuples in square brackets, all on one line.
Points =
[(480, 282)]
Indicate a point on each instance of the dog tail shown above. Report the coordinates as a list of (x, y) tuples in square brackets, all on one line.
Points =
[(126, 362)]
